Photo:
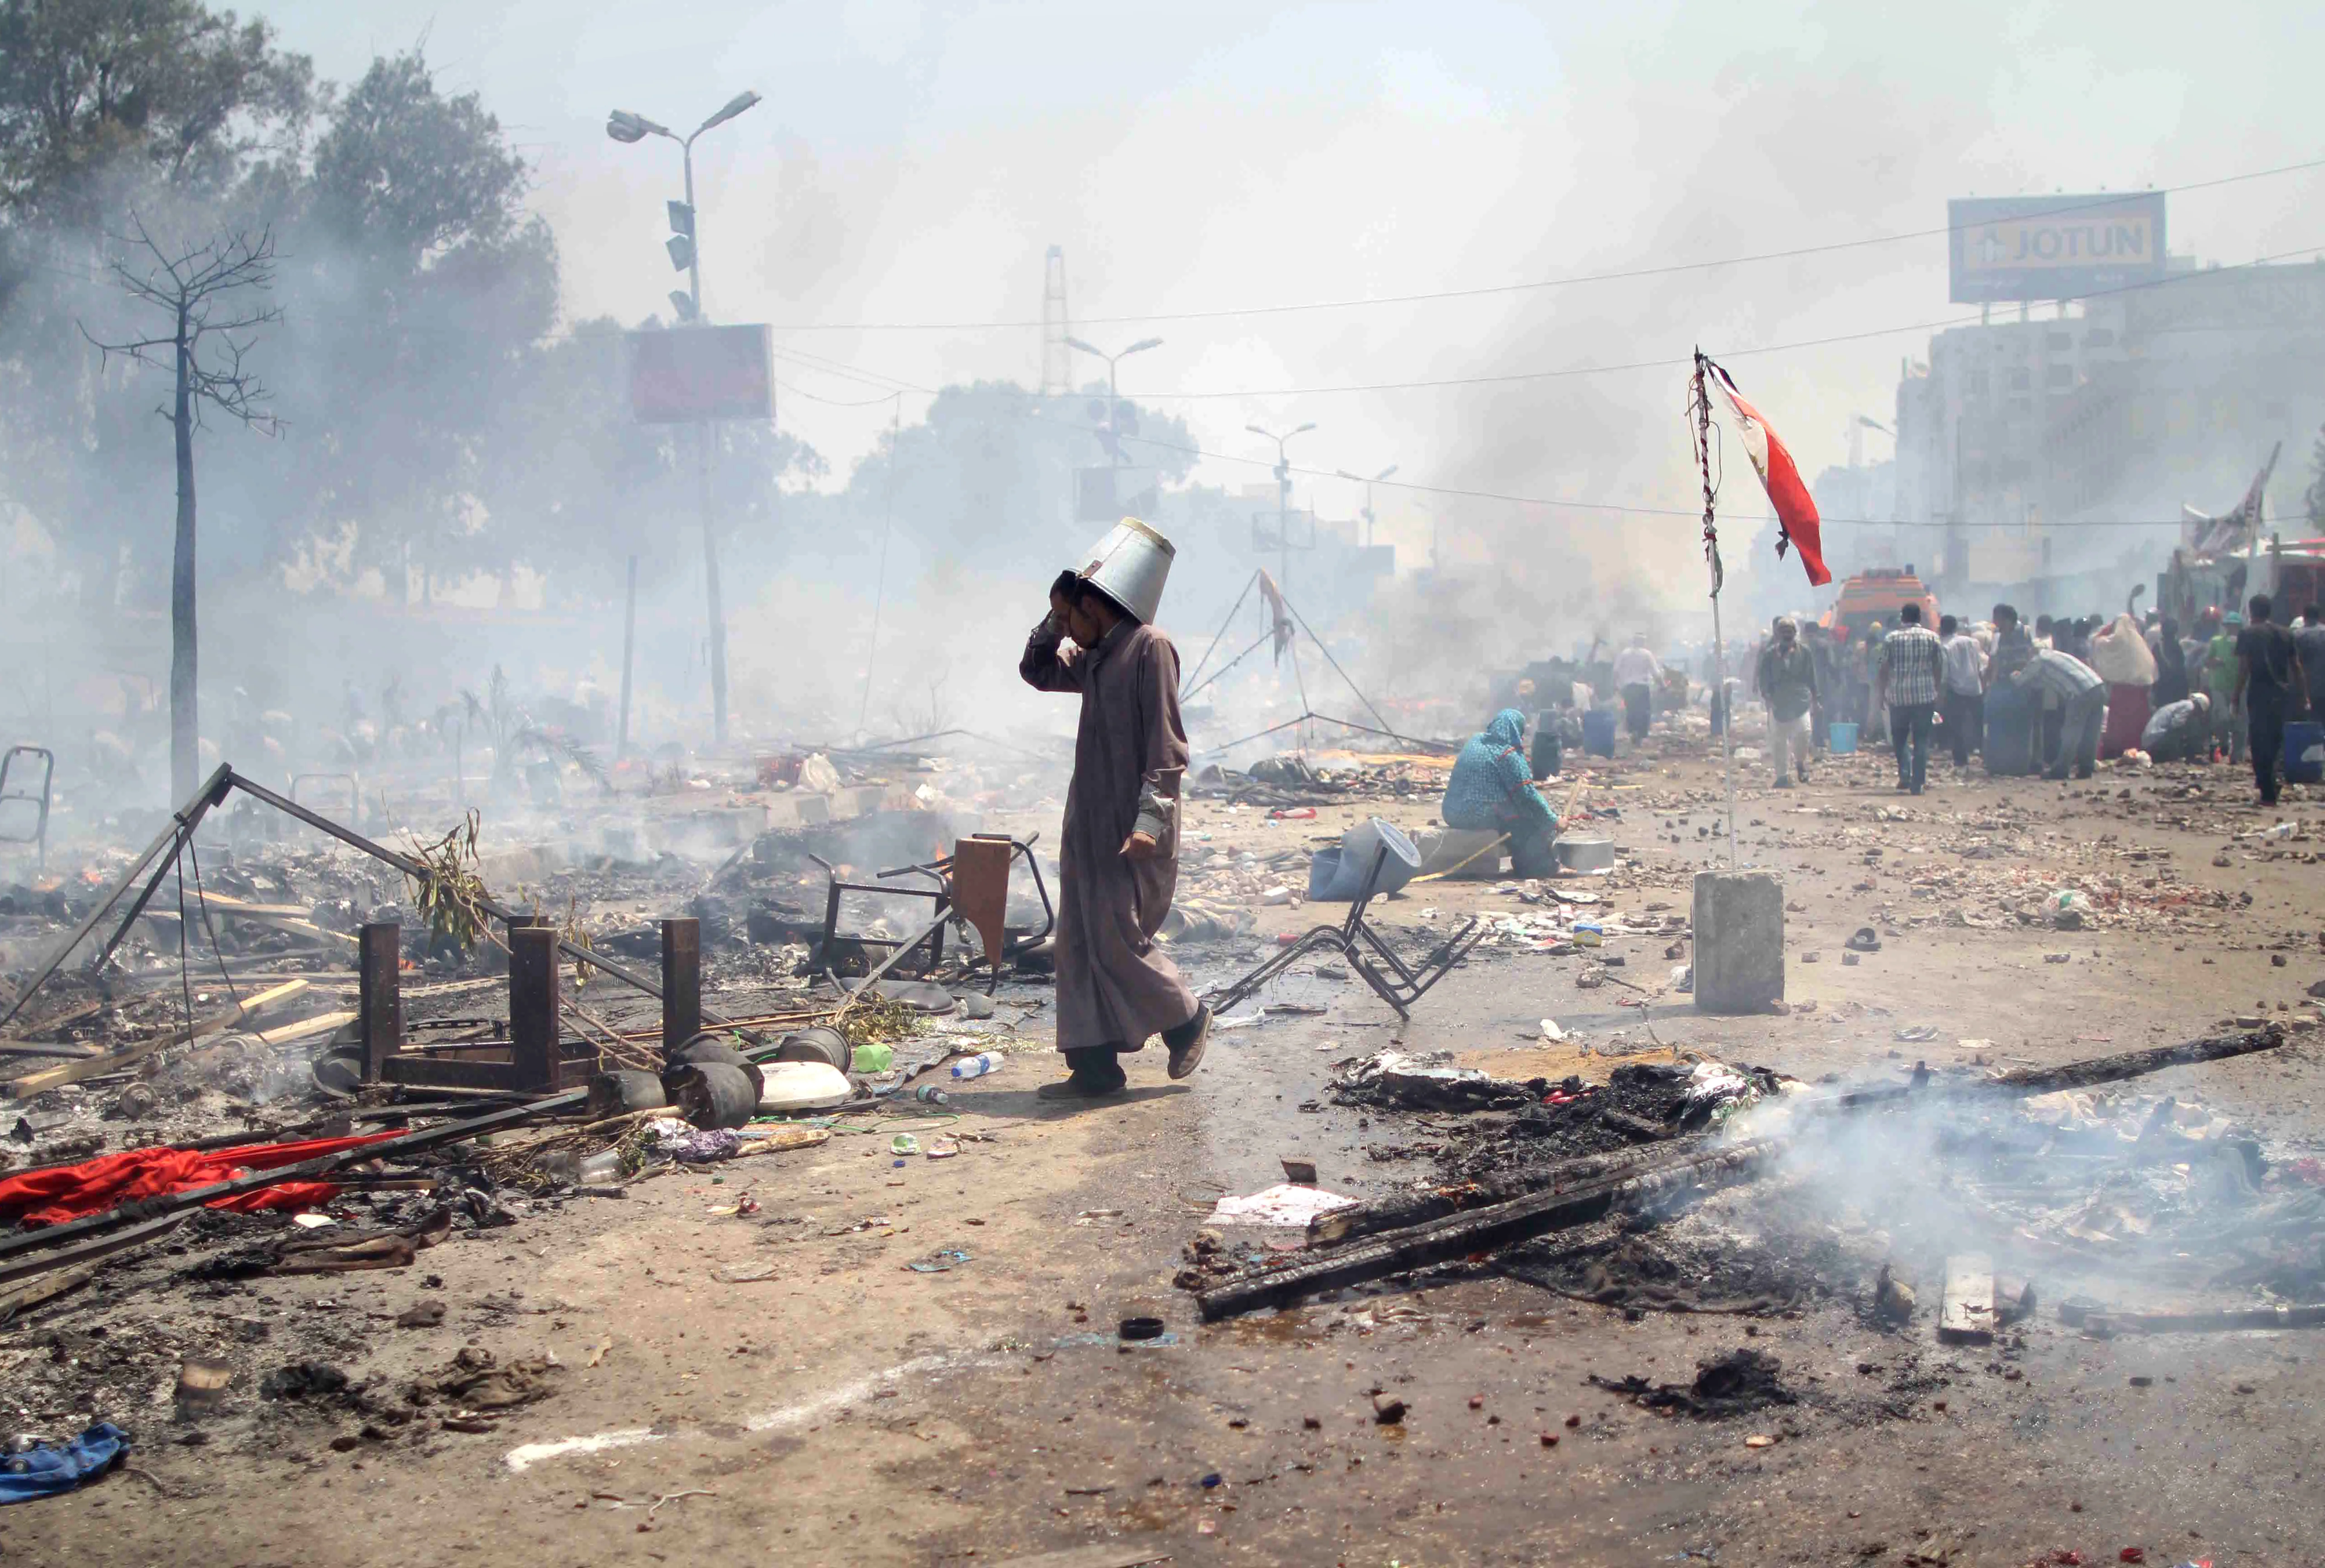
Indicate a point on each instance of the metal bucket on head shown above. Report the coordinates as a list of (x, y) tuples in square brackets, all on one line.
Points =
[(1129, 566)]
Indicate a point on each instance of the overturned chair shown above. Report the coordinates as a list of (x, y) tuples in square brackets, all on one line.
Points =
[(1394, 981)]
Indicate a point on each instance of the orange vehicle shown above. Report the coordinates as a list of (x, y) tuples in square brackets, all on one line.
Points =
[(1877, 596)]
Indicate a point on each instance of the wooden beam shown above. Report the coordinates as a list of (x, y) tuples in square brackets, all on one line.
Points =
[(681, 984), (450, 1072), (33, 1083), (1478, 1231), (2138, 1064), (380, 993)]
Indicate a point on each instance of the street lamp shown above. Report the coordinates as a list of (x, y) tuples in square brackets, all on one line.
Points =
[(1113, 404), (685, 242), (686, 254), (1283, 497), (1368, 485)]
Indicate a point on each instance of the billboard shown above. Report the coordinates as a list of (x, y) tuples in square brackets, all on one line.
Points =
[(689, 373), (2053, 247)]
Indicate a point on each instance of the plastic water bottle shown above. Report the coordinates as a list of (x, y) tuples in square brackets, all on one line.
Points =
[(977, 1066), (932, 1094)]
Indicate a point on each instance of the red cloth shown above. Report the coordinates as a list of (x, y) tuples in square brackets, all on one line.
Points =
[(1796, 514), (52, 1197), (2126, 720)]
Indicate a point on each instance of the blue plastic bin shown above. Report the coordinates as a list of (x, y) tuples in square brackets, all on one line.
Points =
[(1842, 736), (1599, 732), (2304, 751)]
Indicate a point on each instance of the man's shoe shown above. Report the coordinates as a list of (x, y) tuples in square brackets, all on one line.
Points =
[(1186, 1041), (1078, 1088)]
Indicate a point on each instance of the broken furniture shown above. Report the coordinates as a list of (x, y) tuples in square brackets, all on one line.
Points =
[(19, 792), (1394, 981), (969, 886), (154, 862)]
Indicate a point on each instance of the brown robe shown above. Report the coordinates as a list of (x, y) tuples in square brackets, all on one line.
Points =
[(1115, 987)]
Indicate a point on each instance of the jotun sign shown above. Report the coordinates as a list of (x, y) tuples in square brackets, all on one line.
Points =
[(2054, 247)]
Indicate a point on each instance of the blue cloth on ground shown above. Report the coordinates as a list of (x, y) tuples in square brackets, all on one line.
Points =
[(44, 1471)]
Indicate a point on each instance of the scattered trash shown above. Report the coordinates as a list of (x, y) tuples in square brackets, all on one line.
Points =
[(940, 1262), (1282, 1204), (43, 1472), (1732, 1385), (978, 1065)]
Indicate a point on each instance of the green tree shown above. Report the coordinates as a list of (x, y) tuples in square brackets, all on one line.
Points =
[(94, 92), (428, 293)]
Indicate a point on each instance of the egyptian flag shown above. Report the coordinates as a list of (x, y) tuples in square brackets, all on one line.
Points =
[(1796, 513)]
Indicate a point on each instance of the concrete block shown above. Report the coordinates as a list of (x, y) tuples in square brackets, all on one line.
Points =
[(1739, 941)]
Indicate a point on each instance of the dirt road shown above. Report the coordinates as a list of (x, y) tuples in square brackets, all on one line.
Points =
[(786, 1386)]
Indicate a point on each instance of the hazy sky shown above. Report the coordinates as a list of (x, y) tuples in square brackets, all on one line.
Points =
[(913, 162)]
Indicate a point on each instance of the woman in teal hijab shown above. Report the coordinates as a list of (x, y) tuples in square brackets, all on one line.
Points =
[(1492, 791)]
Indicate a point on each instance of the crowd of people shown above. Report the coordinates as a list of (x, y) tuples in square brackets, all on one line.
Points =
[(2057, 695)]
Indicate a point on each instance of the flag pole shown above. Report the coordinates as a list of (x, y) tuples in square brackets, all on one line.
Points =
[(1699, 405)]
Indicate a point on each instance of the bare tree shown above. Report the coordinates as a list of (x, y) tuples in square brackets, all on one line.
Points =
[(207, 338)]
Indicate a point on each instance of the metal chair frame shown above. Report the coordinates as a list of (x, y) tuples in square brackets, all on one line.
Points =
[(940, 900), (1394, 981), (39, 833)]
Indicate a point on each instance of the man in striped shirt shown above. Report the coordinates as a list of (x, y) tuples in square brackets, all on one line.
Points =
[(1912, 665), (2077, 686)]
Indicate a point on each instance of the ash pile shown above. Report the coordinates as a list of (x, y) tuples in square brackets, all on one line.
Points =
[(1953, 1206)]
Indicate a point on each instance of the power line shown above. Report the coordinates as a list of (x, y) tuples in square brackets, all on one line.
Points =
[(1491, 290), (1514, 377), (1612, 509)]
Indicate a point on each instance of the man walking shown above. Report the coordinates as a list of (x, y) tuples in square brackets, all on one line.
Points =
[(2270, 688), (2309, 640), (1963, 699), (1786, 681), (1636, 671), (2082, 699), (1912, 665), (1118, 857)]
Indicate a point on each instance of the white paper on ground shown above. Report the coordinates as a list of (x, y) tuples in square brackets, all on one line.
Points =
[(1282, 1204)]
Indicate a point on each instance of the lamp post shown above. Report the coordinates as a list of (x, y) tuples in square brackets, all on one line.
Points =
[(685, 248), (1282, 499), (1113, 403), (1368, 485)]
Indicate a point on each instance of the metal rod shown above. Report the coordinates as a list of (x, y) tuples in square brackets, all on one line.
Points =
[(212, 791), (1249, 583), (629, 657)]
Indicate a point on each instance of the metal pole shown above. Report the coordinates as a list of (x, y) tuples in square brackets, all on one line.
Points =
[(880, 583), (710, 590), (694, 256), (629, 656), (1726, 724), (1284, 516), (1113, 423)]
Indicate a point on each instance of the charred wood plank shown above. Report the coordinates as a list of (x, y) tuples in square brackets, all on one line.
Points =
[(2138, 1064), (1479, 1230)]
